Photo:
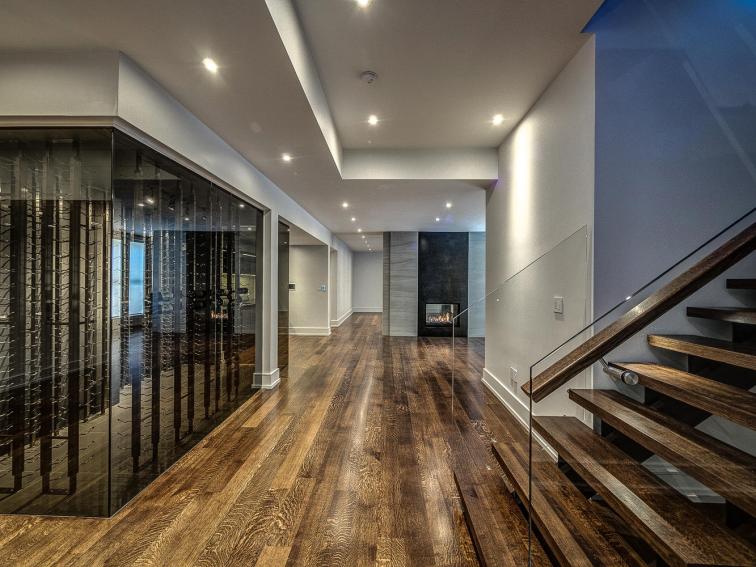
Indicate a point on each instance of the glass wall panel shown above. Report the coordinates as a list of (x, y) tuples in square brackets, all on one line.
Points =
[(54, 324), (283, 296), (127, 316), (186, 327)]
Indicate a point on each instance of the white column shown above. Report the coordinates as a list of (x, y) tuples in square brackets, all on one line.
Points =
[(267, 375)]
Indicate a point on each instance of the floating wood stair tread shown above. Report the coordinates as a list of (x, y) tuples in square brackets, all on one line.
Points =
[(487, 512), (573, 531), (741, 283), (742, 315), (727, 401), (726, 470), (705, 347), (667, 520)]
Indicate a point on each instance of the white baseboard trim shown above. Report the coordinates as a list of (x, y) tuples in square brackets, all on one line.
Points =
[(310, 331), (267, 380), (340, 320), (368, 309), (514, 405)]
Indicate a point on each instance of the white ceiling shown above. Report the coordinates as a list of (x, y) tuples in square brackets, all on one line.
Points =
[(444, 66), (373, 241)]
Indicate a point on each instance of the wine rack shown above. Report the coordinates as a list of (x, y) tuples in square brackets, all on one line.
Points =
[(121, 338)]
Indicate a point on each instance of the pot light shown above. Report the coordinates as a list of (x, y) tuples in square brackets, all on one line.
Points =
[(497, 119), (372, 120), (186, 219), (241, 205), (353, 219), (363, 237), (344, 205), (359, 230), (140, 204), (210, 65), (448, 205), (438, 219), (150, 200), (286, 157), (363, 3)]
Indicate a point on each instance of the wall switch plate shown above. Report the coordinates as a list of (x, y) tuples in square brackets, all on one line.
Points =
[(558, 304), (513, 378)]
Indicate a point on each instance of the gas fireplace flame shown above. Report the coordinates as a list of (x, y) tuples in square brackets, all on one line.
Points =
[(440, 318)]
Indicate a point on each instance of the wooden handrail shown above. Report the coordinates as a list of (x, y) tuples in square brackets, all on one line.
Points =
[(642, 314)]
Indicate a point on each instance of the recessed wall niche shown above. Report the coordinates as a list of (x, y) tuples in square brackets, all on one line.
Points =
[(128, 290)]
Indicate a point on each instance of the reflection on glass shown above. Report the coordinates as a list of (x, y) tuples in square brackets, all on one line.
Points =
[(136, 278), (127, 316)]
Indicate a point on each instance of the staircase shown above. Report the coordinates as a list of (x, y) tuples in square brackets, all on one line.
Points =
[(598, 504)]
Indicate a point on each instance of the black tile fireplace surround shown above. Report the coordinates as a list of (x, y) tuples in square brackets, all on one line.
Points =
[(442, 283)]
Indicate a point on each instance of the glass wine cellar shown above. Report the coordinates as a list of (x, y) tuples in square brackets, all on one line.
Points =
[(128, 289)]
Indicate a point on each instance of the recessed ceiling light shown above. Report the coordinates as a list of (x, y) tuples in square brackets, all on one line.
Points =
[(363, 3), (210, 65), (186, 219), (354, 219), (344, 205), (286, 157), (448, 205), (438, 219), (359, 230), (497, 119), (372, 120), (363, 236), (241, 205), (140, 204), (150, 200)]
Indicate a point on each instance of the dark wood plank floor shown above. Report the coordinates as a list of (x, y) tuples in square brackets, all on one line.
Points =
[(348, 462)]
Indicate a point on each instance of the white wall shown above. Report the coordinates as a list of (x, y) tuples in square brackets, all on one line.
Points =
[(544, 194), (341, 282), (368, 282), (308, 305), (50, 83)]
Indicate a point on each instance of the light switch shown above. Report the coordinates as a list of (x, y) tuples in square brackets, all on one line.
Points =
[(558, 304)]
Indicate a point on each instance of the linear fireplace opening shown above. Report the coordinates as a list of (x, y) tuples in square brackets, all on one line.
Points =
[(441, 314)]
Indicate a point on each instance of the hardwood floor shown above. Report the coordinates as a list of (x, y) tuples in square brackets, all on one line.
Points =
[(348, 462)]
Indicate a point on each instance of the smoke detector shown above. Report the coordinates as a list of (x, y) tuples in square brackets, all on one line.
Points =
[(369, 77)]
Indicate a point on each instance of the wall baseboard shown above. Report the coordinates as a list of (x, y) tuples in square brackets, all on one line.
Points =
[(267, 380), (313, 331), (340, 320), (368, 309), (514, 405)]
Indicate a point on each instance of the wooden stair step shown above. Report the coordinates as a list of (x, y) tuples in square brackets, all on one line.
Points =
[(669, 522), (487, 512), (714, 397), (705, 347), (741, 283), (726, 470), (573, 531), (741, 315), (498, 528)]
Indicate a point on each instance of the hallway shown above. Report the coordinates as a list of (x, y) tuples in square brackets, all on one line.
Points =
[(347, 463)]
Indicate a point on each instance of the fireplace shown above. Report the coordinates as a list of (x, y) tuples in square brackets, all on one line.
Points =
[(441, 314)]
